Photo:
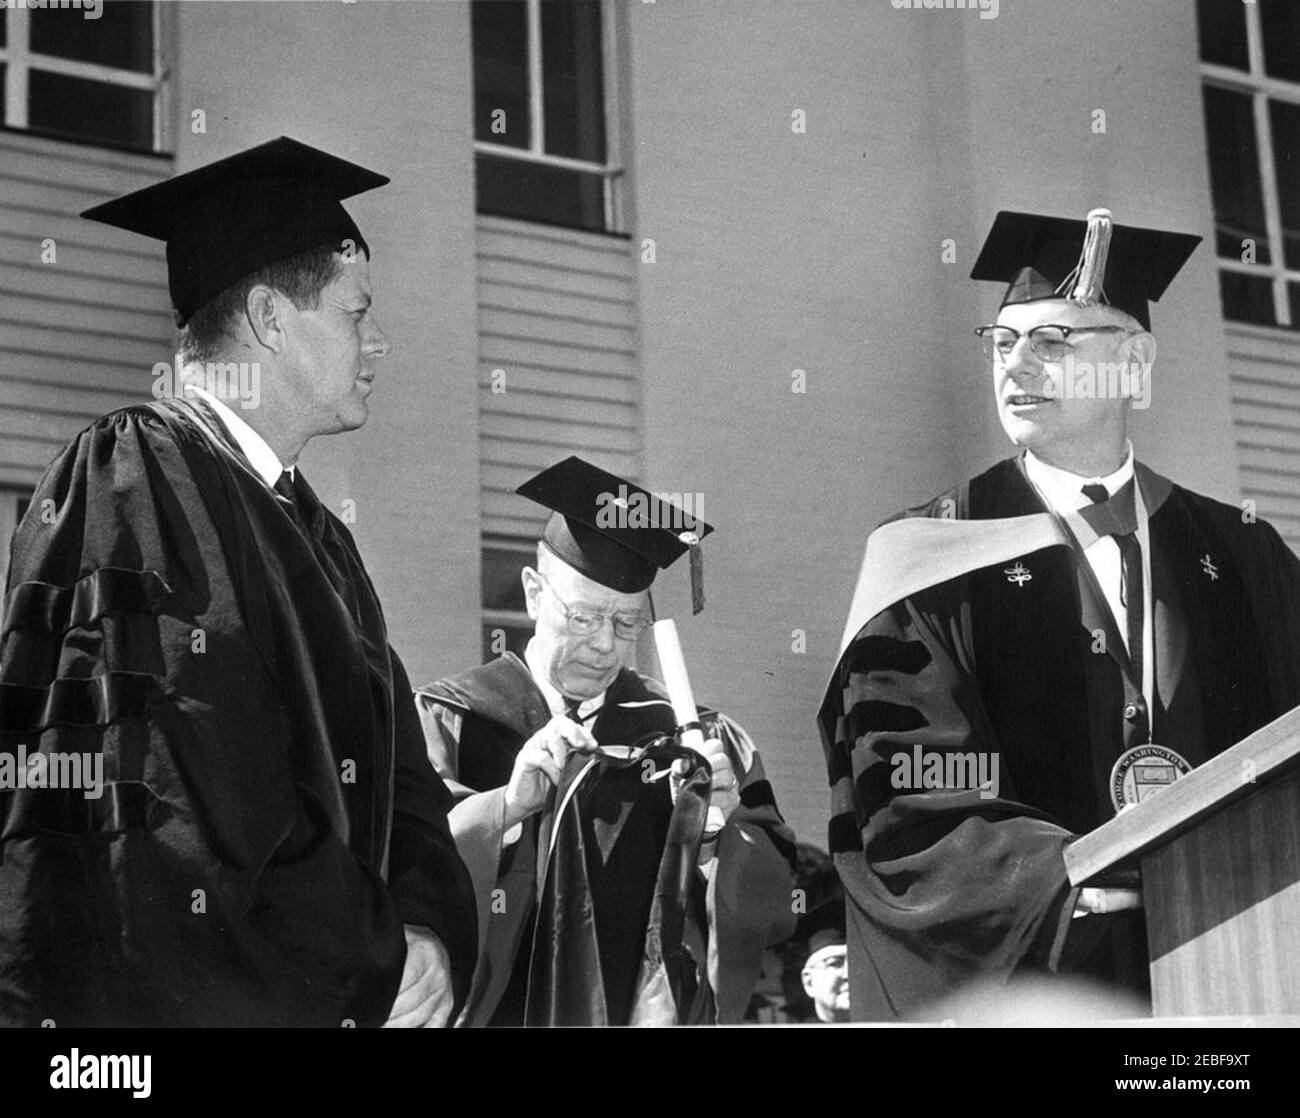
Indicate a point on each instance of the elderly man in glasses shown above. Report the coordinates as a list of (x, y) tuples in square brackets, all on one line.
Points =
[(825, 974), (1041, 646), (599, 902)]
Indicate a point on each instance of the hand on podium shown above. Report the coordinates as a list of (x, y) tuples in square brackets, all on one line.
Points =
[(1099, 902)]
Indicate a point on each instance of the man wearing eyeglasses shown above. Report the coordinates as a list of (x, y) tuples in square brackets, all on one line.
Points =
[(574, 819), (825, 976), (1068, 623)]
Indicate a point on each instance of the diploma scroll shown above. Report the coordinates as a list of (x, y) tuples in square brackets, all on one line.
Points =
[(678, 683)]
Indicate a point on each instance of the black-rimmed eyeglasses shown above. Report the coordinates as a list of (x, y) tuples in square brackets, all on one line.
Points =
[(586, 623), (1049, 342)]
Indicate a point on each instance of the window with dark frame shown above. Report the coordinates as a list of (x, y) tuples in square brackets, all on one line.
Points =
[(506, 625), (542, 148), (1250, 71), (95, 80)]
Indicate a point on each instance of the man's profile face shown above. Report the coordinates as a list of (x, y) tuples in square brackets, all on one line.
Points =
[(332, 351), (580, 667), (1035, 407), (826, 982)]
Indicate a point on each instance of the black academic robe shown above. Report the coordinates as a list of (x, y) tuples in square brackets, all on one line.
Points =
[(577, 911), (270, 819), (949, 885)]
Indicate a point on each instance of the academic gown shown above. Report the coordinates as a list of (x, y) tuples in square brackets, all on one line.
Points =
[(948, 885), (270, 820), (569, 935)]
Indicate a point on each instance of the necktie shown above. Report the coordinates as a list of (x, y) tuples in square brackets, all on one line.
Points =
[(571, 709), (1123, 527), (284, 487)]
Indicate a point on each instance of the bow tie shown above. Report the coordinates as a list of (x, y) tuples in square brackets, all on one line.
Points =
[(1117, 516), (1107, 515)]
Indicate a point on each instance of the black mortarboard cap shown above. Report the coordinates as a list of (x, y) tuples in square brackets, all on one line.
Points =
[(1090, 261), (236, 215), (610, 530), (822, 926)]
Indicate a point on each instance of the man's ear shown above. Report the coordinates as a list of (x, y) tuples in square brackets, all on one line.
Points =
[(264, 307), (1142, 349), (532, 591), (1139, 360), (806, 977)]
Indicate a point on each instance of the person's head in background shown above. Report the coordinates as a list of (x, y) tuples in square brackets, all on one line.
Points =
[(826, 969), (816, 967)]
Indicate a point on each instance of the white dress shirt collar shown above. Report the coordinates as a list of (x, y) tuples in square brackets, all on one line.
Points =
[(1064, 490), (554, 699), (256, 449)]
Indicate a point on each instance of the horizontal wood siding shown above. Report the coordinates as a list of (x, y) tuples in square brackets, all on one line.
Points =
[(1264, 368), (557, 317), (79, 336)]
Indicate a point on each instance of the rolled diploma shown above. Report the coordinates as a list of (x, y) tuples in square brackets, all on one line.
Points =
[(678, 683)]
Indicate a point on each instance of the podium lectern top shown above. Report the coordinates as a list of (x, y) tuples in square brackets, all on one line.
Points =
[(1174, 809)]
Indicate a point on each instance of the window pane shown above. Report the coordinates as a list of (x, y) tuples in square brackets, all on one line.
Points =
[(90, 110), (513, 188), (4, 26), (1223, 32), (1280, 21), (502, 588), (1247, 298), (500, 29), (122, 35), (573, 90), (1234, 173), (1285, 119)]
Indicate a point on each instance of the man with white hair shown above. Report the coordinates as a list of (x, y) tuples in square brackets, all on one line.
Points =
[(602, 898), (1073, 616)]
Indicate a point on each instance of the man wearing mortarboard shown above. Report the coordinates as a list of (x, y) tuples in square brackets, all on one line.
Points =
[(604, 897), (268, 845), (825, 973), (1042, 645), (814, 963)]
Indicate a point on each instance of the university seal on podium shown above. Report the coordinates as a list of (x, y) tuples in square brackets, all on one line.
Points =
[(1143, 771)]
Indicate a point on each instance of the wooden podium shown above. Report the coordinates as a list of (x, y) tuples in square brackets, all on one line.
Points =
[(1219, 852)]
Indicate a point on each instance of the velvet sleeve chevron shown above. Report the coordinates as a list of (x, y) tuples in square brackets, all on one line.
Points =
[(750, 891), (945, 881), (206, 883)]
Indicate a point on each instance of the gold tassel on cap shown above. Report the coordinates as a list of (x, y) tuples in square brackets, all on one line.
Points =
[(691, 540), (1083, 286)]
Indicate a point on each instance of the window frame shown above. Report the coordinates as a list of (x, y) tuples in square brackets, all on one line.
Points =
[(507, 618), (612, 170), (19, 60), (1261, 88)]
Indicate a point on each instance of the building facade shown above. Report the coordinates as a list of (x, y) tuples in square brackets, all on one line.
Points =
[(719, 246)]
